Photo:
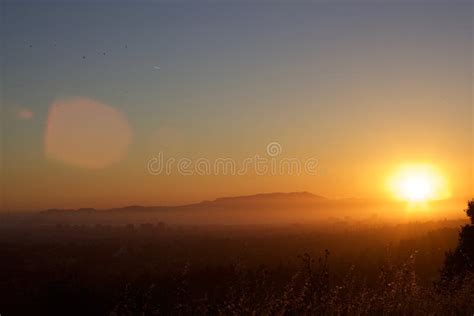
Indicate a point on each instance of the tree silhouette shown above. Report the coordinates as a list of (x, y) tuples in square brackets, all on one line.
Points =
[(461, 260), (470, 210)]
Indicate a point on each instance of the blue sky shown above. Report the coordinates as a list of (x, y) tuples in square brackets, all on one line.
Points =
[(352, 84)]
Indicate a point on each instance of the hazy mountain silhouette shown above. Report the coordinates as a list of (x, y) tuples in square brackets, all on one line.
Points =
[(265, 208), (261, 199)]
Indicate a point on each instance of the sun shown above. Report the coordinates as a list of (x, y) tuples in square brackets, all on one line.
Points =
[(416, 187), (418, 183)]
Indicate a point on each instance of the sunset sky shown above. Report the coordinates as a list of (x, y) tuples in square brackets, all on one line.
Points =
[(91, 93)]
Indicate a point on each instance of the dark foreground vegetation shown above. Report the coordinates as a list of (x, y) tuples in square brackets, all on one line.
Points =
[(154, 269)]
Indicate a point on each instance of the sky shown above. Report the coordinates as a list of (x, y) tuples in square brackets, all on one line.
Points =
[(93, 94)]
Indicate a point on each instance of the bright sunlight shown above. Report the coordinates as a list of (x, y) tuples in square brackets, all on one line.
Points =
[(418, 183)]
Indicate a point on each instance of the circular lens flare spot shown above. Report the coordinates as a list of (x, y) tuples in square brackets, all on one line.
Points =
[(86, 133)]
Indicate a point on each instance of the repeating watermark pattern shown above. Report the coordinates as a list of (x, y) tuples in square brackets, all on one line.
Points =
[(261, 165)]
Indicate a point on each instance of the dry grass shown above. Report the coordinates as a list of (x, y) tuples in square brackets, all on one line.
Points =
[(312, 291)]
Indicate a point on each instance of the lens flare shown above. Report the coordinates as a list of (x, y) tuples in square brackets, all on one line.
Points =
[(86, 133)]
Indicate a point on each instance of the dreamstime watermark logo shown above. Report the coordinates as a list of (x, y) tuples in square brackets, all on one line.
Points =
[(270, 164), (273, 149)]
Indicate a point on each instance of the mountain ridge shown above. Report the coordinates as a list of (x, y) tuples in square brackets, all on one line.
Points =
[(272, 197)]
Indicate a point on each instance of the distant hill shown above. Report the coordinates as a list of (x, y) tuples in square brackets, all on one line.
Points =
[(272, 198), (69, 211), (261, 199), (258, 208)]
